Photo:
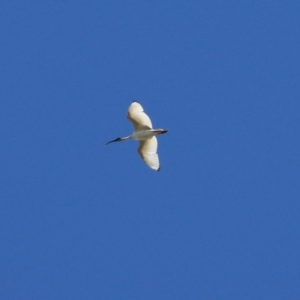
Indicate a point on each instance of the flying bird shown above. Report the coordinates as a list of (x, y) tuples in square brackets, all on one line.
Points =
[(144, 133)]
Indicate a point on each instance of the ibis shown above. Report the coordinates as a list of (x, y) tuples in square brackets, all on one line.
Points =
[(144, 133)]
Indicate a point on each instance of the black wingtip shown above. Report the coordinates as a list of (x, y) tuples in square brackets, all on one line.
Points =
[(158, 169), (134, 101)]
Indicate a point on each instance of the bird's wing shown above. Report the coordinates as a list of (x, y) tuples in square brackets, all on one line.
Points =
[(139, 119), (147, 150)]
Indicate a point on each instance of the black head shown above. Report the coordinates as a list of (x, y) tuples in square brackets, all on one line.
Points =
[(116, 140)]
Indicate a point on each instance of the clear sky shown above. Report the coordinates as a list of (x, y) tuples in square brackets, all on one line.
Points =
[(81, 220)]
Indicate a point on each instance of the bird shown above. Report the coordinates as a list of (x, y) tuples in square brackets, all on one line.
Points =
[(144, 133)]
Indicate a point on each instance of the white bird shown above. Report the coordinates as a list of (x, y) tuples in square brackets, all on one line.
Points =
[(144, 133)]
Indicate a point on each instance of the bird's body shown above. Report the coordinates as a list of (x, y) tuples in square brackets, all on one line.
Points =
[(144, 133)]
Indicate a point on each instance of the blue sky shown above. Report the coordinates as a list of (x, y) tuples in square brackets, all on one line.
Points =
[(80, 220)]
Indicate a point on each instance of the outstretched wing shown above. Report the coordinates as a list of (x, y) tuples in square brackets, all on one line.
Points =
[(147, 150), (138, 117)]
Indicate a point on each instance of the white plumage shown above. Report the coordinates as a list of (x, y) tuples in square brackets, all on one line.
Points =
[(144, 133), (138, 117)]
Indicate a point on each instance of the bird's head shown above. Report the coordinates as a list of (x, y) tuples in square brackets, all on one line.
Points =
[(116, 140)]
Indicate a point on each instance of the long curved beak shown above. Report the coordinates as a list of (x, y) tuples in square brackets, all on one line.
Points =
[(116, 140)]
